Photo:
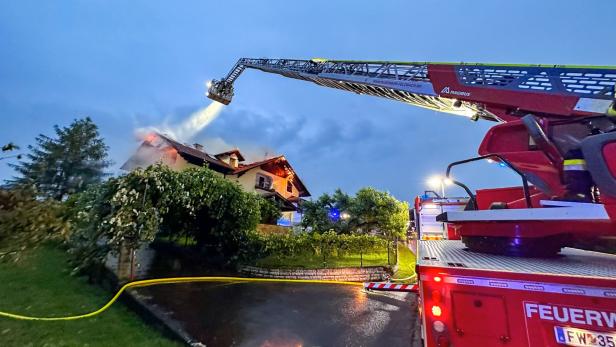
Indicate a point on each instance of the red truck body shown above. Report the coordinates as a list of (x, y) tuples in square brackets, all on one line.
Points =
[(475, 299)]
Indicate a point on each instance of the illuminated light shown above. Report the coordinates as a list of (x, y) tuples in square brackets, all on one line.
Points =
[(345, 215), (208, 84), (436, 311), (447, 181), (333, 214), (438, 326), (435, 181), (429, 206), (437, 279), (491, 161)]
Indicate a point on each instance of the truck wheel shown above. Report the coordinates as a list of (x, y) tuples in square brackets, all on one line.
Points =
[(520, 247)]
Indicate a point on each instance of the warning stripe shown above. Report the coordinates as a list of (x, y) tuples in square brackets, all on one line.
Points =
[(384, 286), (556, 288)]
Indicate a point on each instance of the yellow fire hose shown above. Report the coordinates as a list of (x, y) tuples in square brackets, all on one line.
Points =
[(151, 282)]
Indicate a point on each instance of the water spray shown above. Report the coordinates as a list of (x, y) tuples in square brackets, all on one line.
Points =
[(191, 126)]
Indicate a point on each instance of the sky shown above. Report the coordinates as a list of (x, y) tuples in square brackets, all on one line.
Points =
[(129, 65)]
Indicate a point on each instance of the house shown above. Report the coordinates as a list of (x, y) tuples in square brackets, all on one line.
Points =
[(273, 178)]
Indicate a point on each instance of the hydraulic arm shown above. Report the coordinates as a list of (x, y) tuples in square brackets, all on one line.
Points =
[(551, 119)]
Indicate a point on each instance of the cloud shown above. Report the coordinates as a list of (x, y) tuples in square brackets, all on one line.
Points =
[(294, 135)]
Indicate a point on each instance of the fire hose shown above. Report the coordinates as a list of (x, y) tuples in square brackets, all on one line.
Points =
[(172, 280)]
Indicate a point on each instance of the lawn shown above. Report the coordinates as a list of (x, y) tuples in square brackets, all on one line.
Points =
[(41, 286), (311, 261), (406, 262)]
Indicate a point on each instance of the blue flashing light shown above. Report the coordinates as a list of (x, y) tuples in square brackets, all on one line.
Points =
[(334, 214)]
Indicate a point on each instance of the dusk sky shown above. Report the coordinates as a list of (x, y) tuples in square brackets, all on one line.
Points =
[(145, 63)]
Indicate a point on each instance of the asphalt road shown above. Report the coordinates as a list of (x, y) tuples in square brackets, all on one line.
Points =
[(272, 314)]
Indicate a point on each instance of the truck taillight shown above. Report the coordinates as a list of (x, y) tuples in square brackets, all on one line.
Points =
[(436, 311)]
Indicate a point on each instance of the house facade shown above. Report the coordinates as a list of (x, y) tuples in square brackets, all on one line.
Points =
[(273, 178)]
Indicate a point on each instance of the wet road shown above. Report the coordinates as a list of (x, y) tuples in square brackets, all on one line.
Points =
[(272, 314)]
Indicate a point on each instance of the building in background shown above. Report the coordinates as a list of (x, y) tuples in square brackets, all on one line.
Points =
[(273, 178)]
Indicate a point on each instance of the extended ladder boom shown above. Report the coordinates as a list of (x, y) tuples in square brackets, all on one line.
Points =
[(547, 115), (489, 91)]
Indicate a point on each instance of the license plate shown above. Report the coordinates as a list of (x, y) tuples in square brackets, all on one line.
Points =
[(583, 338)]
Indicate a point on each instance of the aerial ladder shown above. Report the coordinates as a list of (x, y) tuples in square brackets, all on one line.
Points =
[(555, 127)]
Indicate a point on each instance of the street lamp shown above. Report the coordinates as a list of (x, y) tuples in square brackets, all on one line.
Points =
[(439, 181)]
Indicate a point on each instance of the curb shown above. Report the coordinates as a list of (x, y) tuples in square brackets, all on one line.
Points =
[(151, 314)]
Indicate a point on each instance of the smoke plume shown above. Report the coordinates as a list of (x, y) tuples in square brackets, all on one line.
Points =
[(185, 130)]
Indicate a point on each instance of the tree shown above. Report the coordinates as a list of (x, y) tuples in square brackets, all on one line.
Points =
[(318, 214), (127, 211), (26, 221), (270, 211), (369, 210), (380, 212), (8, 148), (224, 214), (66, 164)]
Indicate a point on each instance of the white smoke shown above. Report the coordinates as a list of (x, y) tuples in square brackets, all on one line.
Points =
[(185, 130), (250, 151)]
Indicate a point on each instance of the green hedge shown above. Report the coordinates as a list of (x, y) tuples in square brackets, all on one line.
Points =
[(326, 245)]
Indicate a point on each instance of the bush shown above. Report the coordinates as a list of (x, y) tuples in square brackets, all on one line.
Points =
[(26, 221), (88, 240), (270, 211), (326, 245), (130, 210)]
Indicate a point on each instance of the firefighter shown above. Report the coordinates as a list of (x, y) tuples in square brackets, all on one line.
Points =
[(577, 179)]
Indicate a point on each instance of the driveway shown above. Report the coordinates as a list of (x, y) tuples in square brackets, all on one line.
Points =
[(273, 314)]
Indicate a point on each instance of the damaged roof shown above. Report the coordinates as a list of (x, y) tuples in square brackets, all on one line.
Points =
[(278, 165)]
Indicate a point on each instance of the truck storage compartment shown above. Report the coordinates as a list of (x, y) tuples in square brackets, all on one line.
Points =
[(478, 317)]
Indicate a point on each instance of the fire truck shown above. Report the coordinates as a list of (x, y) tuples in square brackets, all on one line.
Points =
[(513, 278), (426, 209)]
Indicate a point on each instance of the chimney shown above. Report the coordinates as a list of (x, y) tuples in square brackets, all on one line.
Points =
[(198, 146)]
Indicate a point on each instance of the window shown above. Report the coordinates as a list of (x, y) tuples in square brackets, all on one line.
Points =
[(289, 187), (264, 182)]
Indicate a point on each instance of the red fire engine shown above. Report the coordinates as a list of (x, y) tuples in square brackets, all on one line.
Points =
[(556, 128), (427, 208), (475, 299)]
